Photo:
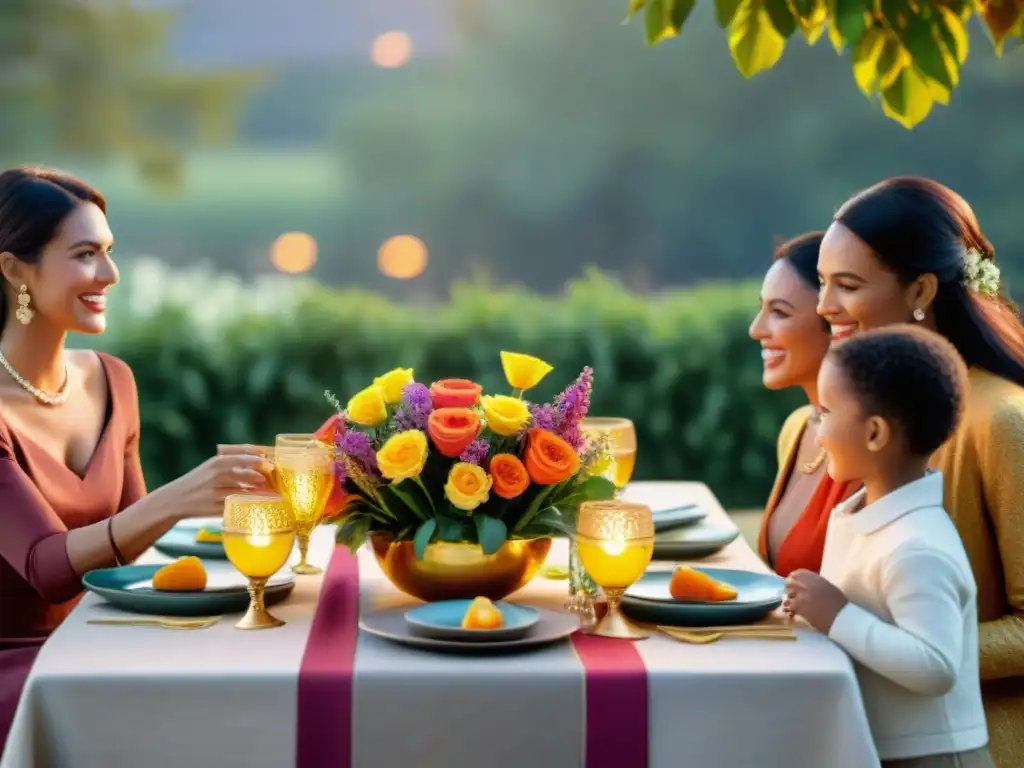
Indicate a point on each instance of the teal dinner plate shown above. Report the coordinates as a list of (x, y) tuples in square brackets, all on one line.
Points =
[(677, 517), (180, 541), (392, 625), (443, 620), (693, 542), (759, 594), (129, 588)]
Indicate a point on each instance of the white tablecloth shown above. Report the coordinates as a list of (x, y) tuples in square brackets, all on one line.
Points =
[(129, 697)]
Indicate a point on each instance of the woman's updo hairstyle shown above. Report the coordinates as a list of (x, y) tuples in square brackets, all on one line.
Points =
[(917, 226)]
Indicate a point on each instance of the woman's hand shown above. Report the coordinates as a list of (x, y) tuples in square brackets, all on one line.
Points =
[(201, 492)]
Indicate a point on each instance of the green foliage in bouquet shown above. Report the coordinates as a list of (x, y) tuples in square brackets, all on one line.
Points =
[(448, 463)]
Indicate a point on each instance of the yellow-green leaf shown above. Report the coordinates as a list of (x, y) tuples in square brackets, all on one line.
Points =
[(919, 38), (782, 16), (909, 99), (725, 11), (952, 31), (865, 60), (1001, 17), (635, 6), (835, 37), (892, 60), (755, 44), (813, 17), (850, 19), (664, 18)]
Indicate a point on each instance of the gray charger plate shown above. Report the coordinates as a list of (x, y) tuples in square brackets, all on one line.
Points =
[(695, 541), (391, 625)]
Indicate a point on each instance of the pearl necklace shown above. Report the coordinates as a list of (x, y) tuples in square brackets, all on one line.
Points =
[(58, 398)]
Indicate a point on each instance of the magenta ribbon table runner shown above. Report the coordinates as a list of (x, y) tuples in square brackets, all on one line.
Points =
[(616, 696), (615, 679), (324, 729)]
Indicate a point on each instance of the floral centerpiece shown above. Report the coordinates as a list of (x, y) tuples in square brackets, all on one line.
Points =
[(445, 464)]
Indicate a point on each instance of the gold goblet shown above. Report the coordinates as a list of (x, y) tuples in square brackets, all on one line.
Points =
[(259, 532), (305, 477), (616, 541), (621, 437), (297, 440)]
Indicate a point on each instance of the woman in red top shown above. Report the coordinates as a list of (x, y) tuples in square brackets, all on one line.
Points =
[(793, 343), (72, 494)]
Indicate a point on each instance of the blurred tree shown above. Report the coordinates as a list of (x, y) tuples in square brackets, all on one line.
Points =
[(907, 51), (90, 79), (534, 155)]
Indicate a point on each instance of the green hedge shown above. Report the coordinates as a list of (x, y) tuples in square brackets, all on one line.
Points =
[(680, 365)]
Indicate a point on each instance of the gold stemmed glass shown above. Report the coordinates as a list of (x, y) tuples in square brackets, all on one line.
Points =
[(305, 477), (297, 440), (616, 541), (621, 437), (259, 532)]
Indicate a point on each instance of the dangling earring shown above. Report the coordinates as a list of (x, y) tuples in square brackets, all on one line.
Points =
[(24, 312), (919, 314)]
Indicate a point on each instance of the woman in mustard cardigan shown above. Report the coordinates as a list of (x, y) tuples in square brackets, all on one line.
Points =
[(911, 250), (794, 341)]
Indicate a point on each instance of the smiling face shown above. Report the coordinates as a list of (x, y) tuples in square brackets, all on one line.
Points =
[(68, 284), (852, 439), (857, 292), (793, 341)]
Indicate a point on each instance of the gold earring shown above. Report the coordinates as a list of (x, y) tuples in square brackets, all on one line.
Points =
[(24, 312)]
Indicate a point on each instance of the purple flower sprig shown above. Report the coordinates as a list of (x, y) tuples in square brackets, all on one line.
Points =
[(359, 447), (476, 452), (545, 417), (415, 407), (573, 405)]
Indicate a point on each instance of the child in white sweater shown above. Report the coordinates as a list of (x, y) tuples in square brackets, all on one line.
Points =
[(896, 591)]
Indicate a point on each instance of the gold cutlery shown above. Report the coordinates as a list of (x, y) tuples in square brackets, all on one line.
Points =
[(704, 636), (164, 623)]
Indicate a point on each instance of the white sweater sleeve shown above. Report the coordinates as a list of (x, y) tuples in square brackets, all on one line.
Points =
[(922, 649)]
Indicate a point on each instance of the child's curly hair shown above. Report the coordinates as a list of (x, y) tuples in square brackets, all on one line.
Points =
[(911, 377)]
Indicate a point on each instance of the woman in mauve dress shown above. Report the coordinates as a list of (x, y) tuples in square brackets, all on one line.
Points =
[(72, 494), (794, 341)]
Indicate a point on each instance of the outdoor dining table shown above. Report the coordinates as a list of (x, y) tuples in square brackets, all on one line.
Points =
[(318, 693)]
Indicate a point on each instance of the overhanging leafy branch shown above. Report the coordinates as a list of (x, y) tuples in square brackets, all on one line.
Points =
[(908, 53)]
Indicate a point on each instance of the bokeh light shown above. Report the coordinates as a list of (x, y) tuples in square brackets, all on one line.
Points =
[(402, 257), (392, 49), (293, 253)]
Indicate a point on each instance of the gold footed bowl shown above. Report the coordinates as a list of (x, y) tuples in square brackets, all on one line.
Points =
[(455, 571)]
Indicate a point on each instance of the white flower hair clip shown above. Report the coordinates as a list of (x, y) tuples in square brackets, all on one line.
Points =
[(980, 274)]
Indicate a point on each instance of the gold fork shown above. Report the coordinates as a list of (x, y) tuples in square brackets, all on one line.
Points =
[(163, 622), (703, 637)]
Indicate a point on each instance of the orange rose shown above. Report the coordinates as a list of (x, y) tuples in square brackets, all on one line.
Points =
[(455, 393), (549, 459), (337, 504), (509, 476), (452, 429), (329, 430)]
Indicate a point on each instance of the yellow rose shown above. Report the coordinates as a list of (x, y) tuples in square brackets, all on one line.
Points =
[(367, 407), (505, 415), (467, 487), (523, 371), (403, 455), (393, 382)]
